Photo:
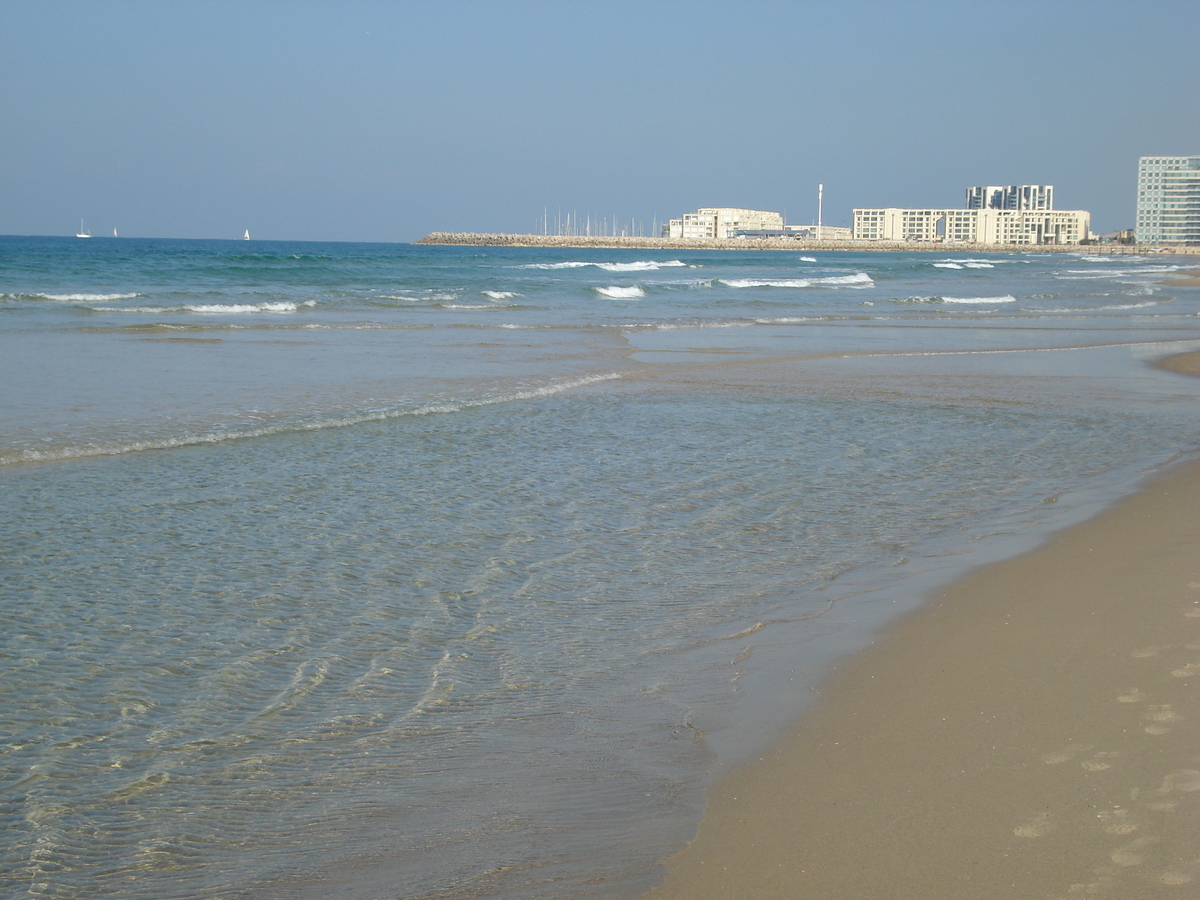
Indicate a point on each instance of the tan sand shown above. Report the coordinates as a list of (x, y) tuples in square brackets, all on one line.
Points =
[(1184, 363), (1033, 732), (1186, 278)]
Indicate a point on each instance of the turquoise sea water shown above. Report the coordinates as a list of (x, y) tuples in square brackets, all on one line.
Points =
[(392, 571)]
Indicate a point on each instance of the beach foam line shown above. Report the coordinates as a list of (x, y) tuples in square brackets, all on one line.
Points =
[(617, 292), (216, 436)]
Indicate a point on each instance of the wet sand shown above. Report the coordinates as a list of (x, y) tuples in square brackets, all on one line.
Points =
[(1184, 363), (1032, 732), (1187, 278)]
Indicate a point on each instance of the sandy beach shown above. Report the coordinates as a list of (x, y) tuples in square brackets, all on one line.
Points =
[(1186, 278), (1032, 732)]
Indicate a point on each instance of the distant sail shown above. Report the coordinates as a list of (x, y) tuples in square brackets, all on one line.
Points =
[(246, 236), (114, 232), (82, 232)]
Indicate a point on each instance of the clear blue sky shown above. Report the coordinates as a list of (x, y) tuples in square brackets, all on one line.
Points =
[(383, 121)]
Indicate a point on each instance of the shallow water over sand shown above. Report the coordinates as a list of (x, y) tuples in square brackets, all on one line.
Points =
[(398, 571)]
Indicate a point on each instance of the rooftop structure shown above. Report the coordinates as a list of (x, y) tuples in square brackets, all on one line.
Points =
[(1168, 200), (1013, 196)]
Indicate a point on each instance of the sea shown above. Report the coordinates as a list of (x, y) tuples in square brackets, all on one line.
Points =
[(397, 571)]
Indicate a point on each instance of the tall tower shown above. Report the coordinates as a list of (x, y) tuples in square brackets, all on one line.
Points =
[(1168, 200)]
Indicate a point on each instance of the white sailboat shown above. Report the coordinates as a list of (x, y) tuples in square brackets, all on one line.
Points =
[(114, 232), (82, 232), (246, 236)]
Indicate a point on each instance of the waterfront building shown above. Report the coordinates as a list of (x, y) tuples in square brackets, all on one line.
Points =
[(827, 232), (1168, 200), (1012, 196), (723, 222), (973, 226)]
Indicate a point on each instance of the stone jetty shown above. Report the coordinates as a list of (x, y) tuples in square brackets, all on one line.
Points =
[(473, 239)]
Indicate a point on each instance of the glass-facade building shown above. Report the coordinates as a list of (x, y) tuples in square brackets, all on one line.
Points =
[(1168, 200)]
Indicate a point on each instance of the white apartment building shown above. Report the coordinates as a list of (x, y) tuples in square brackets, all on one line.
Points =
[(1168, 200), (972, 226), (722, 222), (1012, 196)]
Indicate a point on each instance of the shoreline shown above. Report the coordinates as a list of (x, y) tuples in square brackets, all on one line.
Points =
[(1031, 731), (483, 239)]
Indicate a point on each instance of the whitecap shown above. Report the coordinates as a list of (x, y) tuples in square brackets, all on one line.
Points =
[(947, 265), (807, 259), (210, 308), (645, 265), (86, 298), (499, 295), (617, 292), (859, 279), (557, 265), (1006, 298)]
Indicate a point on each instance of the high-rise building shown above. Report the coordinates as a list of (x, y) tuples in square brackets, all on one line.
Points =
[(1168, 200), (1036, 197)]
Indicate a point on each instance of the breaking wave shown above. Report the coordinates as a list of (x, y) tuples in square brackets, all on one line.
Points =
[(617, 292), (210, 308), (73, 298), (859, 279), (644, 265)]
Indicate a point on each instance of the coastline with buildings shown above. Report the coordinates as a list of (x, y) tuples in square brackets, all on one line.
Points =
[(499, 239), (994, 218)]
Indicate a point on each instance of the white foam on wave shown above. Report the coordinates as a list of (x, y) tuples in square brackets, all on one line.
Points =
[(218, 436), (642, 265), (619, 292), (645, 265), (1114, 307), (687, 326), (81, 298), (417, 297), (499, 295), (209, 308), (1147, 269), (947, 265), (557, 265), (807, 259), (239, 308), (1005, 298), (858, 279)]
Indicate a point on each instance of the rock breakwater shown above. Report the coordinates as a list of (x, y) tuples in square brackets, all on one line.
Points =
[(479, 239)]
